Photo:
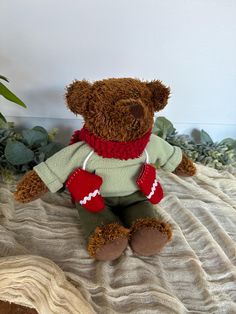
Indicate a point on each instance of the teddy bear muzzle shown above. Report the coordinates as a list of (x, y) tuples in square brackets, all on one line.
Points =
[(132, 107), (136, 110)]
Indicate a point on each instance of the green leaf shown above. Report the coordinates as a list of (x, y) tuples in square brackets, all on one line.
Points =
[(205, 138), (10, 125), (52, 134), (4, 78), (229, 142), (163, 127), (5, 135), (3, 124), (51, 149), (17, 153), (40, 129), (25, 168), (32, 137), (2, 118), (39, 157), (6, 93)]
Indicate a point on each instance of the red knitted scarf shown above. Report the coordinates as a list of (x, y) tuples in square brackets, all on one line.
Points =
[(112, 149)]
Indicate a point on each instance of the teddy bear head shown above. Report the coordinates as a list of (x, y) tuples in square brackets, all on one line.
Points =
[(117, 109)]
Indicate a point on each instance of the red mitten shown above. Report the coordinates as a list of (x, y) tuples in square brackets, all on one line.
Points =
[(149, 185), (84, 188)]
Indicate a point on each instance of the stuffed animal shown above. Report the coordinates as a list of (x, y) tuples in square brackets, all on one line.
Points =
[(108, 168)]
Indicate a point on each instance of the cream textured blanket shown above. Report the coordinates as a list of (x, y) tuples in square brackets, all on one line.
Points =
[(44, 264)]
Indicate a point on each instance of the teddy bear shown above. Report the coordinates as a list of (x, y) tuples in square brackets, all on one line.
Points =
[(108, 168)]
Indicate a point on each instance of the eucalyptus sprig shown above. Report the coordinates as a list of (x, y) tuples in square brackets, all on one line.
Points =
[(20, 151), (7, 94), (213, 154)]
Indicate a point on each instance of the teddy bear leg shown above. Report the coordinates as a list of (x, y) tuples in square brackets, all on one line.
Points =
[(106, 237), (148, 233)]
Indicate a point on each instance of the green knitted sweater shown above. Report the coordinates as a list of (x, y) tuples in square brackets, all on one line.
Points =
[(119, 176)]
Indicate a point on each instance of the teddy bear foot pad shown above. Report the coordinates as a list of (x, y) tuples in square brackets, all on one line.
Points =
[(149, 236), (108, 242), (111, 251)]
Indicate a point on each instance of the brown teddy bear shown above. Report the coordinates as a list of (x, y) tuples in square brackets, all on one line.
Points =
[(108, 168)]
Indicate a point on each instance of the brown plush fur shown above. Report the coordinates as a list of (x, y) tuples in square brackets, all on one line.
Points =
[(186, 167), (160, 94), (153, 223), (30, 187), (106, 234), (118, 109)]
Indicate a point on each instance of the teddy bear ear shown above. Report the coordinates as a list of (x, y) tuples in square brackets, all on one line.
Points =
[(159, 94), (77, 96)]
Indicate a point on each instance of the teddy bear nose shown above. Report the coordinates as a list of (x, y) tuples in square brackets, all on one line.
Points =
[(137, 111)]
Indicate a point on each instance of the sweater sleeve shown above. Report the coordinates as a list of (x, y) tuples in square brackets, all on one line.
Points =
[(56, 169), (166, 155)]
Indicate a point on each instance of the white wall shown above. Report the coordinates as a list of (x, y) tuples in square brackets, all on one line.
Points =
[(189, 44)]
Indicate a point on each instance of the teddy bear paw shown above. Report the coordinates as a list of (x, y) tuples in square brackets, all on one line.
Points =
[(112, 250), (30, 188), (149, 236), (108, 242), (186, 167)]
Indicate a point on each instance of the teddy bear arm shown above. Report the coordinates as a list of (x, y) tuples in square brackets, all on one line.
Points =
[(186, 167), (30, 188)]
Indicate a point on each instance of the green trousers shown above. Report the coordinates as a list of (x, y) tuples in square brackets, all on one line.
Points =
[(123, 209)]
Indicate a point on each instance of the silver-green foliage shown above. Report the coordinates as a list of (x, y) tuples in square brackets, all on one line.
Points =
[(20, 151), (214, 154)]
